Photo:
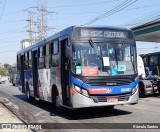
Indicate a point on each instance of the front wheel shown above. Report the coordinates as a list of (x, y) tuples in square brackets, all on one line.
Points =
[(141, 91), (56, 101)]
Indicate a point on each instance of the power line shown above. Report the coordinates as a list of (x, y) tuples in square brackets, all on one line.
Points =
[(149, 17), (6, 22), (87, 4), (3, 9), (16, 12), (112, 11), (141, 7), (8, 51), (10, 32)]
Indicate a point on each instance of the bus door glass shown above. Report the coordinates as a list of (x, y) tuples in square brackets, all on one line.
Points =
[(35, 72), (22, 73), (65, 64)]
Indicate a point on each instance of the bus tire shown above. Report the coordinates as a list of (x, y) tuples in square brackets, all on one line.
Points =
[(141, 90), (56, 100), (29, 97)]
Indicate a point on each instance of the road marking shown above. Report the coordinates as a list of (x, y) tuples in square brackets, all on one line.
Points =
[(39, 113), (137, 107), (153, 100)]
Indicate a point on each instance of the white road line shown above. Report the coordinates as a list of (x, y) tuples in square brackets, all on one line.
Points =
[(39, 113), (137, 107)]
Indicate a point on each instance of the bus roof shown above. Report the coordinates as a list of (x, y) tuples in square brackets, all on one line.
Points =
[(67, 31)]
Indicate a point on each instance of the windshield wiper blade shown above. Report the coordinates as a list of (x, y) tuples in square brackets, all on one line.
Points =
[(99, 53), (91, 43), (116, 54)]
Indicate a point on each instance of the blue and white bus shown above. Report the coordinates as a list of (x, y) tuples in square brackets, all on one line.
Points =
[(81, 67)]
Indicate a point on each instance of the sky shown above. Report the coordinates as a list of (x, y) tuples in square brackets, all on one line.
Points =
[(65, 13)]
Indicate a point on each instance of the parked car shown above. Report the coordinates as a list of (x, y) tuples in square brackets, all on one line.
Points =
[(2, 79)]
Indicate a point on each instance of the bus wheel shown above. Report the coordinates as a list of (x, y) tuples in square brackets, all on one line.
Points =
[(141, 90), (158, 86), (30, 99), (56, 101)]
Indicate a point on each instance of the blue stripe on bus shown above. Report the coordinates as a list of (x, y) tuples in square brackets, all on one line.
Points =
[(115, 89)]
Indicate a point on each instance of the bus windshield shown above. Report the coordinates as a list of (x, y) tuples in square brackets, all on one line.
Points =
[(103, 59)]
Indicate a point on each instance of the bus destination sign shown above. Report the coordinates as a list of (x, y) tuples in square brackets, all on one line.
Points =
[(107, 33)]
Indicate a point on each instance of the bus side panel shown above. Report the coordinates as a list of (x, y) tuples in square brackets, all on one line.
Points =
[(154, 69), (48, 78), (44, 84), (19, 82), (55, 79)]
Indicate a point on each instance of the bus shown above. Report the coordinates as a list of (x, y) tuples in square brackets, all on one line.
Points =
[(150, 83), (13, 74), (152, 63), (81, 66)]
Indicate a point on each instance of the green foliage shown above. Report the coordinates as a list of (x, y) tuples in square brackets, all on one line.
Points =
[(3, 71), (7, 66)]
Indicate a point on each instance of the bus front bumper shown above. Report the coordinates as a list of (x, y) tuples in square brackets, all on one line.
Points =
[(81, 101)]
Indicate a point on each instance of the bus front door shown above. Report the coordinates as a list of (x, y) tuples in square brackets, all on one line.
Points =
[(35, 73), (65, 73)]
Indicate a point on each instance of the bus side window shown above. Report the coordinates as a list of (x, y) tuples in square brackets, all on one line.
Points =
[(26, 61), (30, 60), (159, 60), (18, 63), (154, 60), (145, 61), (47, 57), (55, 54), (41, 57)]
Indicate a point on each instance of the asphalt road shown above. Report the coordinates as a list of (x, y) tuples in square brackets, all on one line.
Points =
[(146, 111)]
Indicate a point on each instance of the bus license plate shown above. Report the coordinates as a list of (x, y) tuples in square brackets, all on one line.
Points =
[(112, 99)]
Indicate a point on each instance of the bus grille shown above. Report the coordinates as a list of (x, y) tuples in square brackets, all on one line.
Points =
[(109, 82), (124, 97)]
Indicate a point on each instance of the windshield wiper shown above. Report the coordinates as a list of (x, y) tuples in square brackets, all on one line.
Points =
[(92, 45), (116, 58), (99, 53)]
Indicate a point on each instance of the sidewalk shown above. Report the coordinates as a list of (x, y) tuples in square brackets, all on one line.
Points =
[(6, 116)]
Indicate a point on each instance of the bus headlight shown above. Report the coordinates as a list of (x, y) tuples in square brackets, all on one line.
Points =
[(84, 92), (81, 91), (134, 89), (78, 89)]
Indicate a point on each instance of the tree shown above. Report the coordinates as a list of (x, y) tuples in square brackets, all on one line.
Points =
[(3, 71), (7, 66)]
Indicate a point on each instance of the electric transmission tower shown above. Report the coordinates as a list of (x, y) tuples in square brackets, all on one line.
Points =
[(42, 19), (31, 24), (31, 27), (40, 26)]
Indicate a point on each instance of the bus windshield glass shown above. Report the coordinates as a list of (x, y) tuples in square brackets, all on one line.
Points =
[(103, 59)]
